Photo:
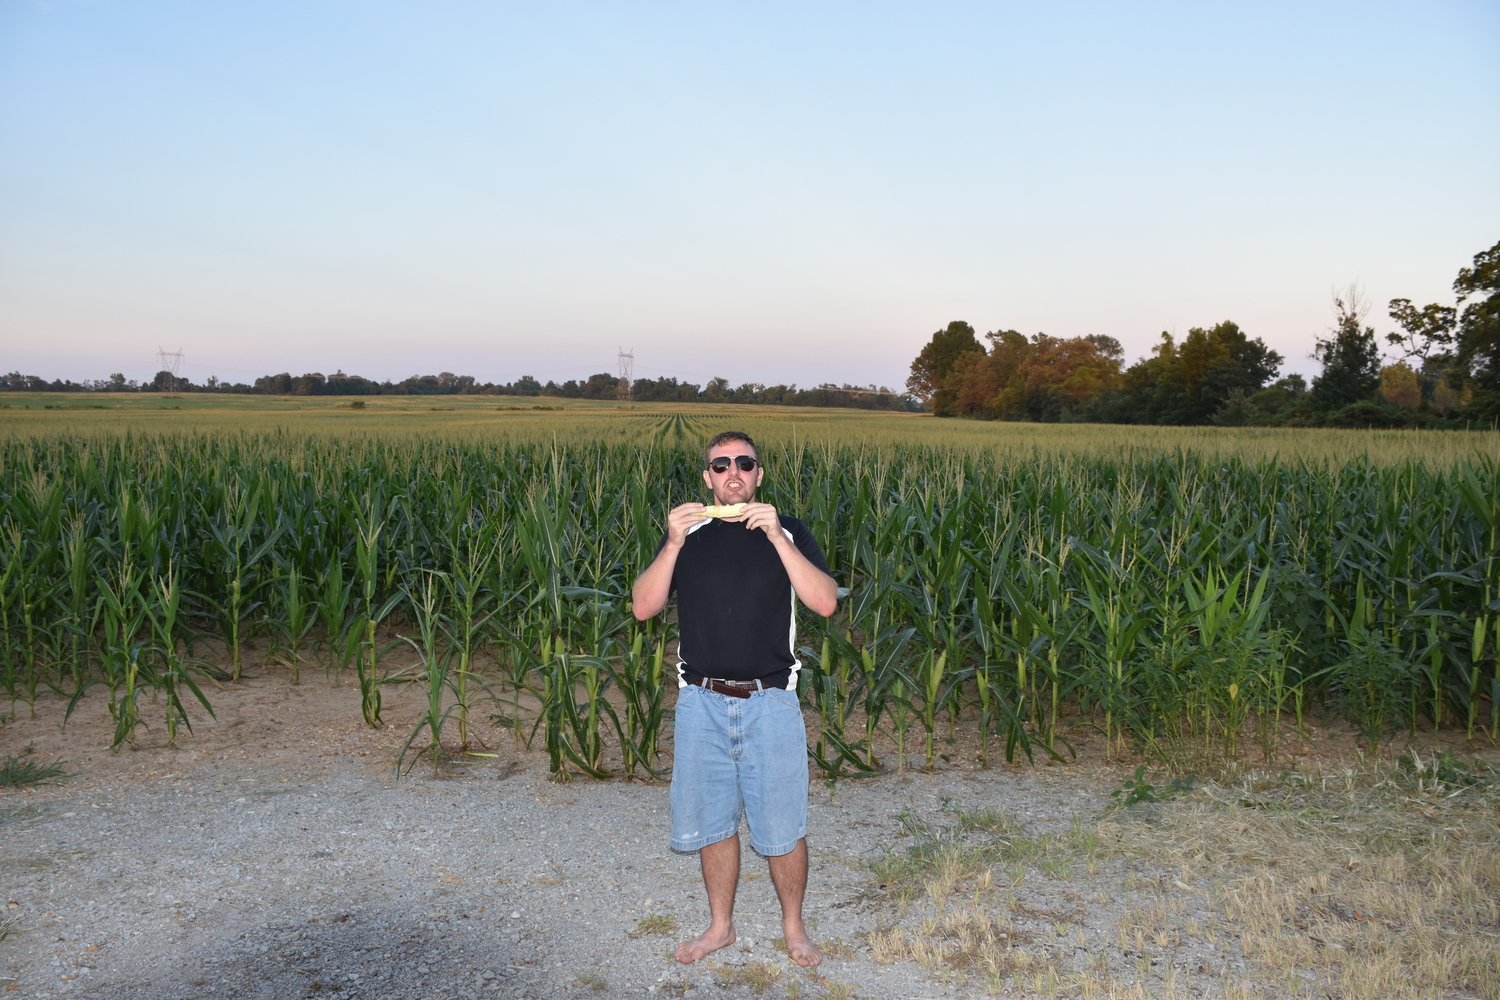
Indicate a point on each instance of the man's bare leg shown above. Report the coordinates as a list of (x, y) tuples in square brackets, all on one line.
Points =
[(789, 873), (721, 874)]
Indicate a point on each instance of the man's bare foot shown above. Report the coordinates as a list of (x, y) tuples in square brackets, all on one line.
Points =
[(799, 947), (706, 943)]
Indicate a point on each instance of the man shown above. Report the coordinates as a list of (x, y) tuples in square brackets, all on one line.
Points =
[(741, 747)]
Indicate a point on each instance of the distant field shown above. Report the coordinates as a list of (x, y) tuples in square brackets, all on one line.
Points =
[(505, 418)]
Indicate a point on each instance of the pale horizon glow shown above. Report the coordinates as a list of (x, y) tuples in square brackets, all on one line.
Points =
[(777, 193)]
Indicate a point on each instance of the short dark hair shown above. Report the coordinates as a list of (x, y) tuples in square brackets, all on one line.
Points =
[(724, 437)]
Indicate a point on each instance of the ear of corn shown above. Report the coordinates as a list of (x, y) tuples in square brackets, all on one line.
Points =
[(1158, 596), (723, 510)]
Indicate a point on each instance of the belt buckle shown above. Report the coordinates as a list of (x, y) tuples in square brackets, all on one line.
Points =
[(733, 689)]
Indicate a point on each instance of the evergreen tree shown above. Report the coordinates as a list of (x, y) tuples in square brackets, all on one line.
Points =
[(1350, 357)]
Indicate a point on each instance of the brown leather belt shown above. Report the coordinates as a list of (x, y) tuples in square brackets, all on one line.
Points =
[(734, 689)]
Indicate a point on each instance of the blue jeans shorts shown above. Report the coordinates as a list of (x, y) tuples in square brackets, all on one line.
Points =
[(738, 757)]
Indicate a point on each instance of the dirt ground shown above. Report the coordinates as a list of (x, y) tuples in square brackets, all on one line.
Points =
[(273, 852)]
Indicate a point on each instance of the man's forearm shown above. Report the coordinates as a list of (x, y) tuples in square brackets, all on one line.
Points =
[(652, 587), (813, 587)]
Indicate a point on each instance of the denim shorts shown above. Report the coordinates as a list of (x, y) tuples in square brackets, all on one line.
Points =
[(738, 757)]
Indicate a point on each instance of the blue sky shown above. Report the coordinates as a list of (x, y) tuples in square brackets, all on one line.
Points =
[(768, 192)]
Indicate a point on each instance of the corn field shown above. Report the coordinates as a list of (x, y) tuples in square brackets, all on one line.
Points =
[(1157, 599)]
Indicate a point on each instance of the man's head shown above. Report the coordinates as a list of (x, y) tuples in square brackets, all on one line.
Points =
[(723, 472)]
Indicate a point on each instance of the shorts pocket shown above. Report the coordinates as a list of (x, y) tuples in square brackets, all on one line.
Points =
[(782, 699)]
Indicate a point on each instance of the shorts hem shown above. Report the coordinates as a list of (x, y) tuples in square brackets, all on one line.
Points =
[(778, 850), (698, 843)]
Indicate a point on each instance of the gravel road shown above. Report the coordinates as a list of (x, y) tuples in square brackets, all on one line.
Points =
[(272, 854)]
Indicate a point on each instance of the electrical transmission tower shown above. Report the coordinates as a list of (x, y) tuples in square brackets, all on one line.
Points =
[(170, 361), (627, 373)]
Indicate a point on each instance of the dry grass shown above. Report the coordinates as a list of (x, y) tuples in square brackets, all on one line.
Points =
[(1379, 881), (971, 940), (656, 923), (972, 932), (758, 976)]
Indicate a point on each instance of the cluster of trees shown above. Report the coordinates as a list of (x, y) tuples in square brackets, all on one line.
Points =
[(1445, 372), (718, 390), (600, 386)]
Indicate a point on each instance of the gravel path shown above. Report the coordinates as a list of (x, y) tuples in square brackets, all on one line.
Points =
[(256, 868)]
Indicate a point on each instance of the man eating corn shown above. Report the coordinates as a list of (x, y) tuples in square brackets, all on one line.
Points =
[(738, 567)]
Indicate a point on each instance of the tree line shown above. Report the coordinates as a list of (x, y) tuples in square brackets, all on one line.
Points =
[(599, 386), (1443, 370)]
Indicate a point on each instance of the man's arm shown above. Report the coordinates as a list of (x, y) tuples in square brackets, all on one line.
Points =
[(654, 585), (814, 588)]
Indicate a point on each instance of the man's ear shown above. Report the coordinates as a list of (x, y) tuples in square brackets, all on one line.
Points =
[(707, 481)]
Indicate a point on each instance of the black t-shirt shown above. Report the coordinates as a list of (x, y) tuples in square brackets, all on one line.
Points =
[(736, 615)]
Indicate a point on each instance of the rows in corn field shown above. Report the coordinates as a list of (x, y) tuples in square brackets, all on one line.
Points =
[(1167, 601)]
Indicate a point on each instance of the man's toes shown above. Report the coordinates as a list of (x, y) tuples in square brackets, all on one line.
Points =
[(804, 952)]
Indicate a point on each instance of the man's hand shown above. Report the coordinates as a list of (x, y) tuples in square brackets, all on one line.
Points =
[(679, 520), (764, 517)]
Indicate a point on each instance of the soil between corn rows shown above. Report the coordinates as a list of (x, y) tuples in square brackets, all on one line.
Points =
[(272, 853)]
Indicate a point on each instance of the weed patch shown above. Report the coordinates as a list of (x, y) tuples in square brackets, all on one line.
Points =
[(756, 976), (656, 923), (24, 769)]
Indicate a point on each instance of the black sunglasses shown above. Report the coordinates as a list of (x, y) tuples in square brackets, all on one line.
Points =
[(721, 464)]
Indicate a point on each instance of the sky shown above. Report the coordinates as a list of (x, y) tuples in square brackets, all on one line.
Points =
[(770, 192)]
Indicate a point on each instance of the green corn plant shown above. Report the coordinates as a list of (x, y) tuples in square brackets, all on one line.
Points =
[(123, 616), (1434, 654), (172, 674), (335, 614), (371, 614), (899, 708), (880, 662), (556, 685), (820, 685), (472, 608), (587, 725), (986, 709), (292, 619), (1476, 670), (1495, 687), (931, 676), (79, 548), (639, 679), (13, 649), (520, 664), (233, 533), (435, 658), (1119, 628)]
